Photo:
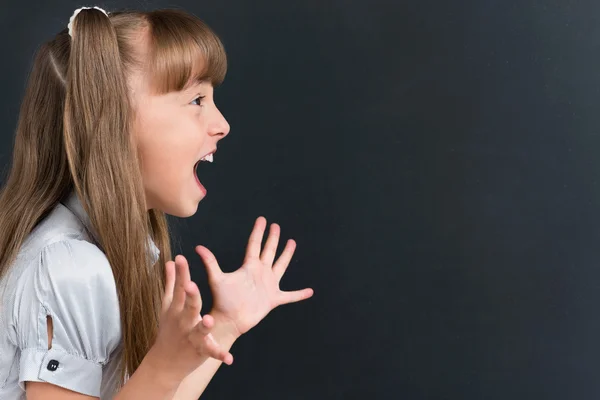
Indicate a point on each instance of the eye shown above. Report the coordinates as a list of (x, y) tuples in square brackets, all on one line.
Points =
[(198, 100)]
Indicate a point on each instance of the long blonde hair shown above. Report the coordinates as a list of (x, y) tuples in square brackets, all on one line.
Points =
[(74, 133)]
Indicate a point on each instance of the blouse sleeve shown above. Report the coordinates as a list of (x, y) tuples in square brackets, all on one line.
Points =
[(72, 284)]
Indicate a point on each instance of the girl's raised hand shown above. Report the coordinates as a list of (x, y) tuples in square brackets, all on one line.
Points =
[(184, 339), (244, 297)]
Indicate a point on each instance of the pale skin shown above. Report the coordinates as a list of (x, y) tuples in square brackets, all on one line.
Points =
[(172, 132)]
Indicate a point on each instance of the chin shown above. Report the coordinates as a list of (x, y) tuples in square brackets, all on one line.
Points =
[(184, 211), (181, 209)]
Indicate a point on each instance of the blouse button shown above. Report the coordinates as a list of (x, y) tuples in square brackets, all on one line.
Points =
[(52, 365)]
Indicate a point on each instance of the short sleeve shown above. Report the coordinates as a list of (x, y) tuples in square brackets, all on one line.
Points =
[(74, 285)]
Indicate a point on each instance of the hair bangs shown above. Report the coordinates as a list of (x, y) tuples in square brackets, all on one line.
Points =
[(183, 51)]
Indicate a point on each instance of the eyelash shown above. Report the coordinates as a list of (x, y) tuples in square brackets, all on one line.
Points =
[(199, 98)]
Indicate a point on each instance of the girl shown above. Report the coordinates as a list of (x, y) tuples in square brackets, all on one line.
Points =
[(117, 113)]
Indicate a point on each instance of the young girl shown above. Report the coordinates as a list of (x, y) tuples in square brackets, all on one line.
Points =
[(117, 113)]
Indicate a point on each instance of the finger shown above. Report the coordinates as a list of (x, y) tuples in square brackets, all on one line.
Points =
[(295, 296), (217, 352), (255, 240), (209, 346), (283, 261), (213, 270), (270, 249), (208, 321), (193, 305), (182, 277), (205, 325), (169, 285)]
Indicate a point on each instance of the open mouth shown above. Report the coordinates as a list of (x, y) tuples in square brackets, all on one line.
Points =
[(206, 158)]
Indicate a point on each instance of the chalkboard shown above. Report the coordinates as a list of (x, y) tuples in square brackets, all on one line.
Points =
[(436, 163)]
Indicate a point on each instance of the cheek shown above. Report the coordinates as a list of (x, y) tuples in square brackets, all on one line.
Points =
[(169, 147)]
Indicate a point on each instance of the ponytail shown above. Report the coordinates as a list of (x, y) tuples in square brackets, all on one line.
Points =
[(95, 106), (106, 175)]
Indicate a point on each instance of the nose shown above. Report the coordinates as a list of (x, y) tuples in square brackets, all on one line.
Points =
[(220, 126)]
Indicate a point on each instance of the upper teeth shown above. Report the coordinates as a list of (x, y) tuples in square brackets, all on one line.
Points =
[(208, 157)]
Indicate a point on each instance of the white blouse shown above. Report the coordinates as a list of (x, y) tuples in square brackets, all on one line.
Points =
[(61, 272)]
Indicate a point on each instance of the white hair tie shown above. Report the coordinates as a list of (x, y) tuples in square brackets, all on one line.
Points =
[(70, 25)]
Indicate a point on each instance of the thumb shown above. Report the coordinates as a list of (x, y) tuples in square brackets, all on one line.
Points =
[(210, 262)]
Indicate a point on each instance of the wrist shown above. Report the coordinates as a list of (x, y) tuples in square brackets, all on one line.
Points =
[(153, 367), (225, 330)]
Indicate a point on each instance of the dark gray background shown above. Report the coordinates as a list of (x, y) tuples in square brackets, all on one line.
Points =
[(436, 163)]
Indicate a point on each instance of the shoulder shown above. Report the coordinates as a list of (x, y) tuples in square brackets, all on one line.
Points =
[(75, 261), (74, 278), (61, 274), (71, 278)]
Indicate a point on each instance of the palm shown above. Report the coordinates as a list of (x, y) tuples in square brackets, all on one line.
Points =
[(248, 294)]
